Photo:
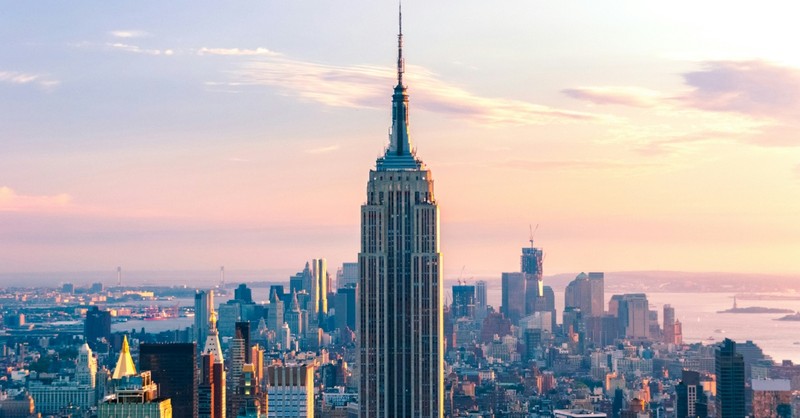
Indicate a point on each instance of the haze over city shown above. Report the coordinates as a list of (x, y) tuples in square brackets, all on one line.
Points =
[(163, 136)]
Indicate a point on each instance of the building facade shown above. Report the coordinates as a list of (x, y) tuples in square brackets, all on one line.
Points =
[(463, 302), (401, 338), (173, 366), (730, 401), (290, 391), (203, 305), (513, 296)]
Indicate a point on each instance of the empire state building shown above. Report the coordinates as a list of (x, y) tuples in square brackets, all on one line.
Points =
[(400, 323)]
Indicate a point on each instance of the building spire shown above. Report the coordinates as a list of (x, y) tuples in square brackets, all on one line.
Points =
[(125, 365), (401, 67)]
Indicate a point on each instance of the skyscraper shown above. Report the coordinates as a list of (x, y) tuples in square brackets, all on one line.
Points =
[(290, 391), (346, 307), (531, 265), (347, 275), (243, 294), (400, 311), (597, 297), (86, 369), (320, 287), (203, 305), (730, 381), (463, 301), (692, 402), (97, 327), (633, 313), (275, 314), (513, 293), (587, 293), (214, 349), (205, 389), (173, 367), (480, 294), (236, 361), (669, 324)]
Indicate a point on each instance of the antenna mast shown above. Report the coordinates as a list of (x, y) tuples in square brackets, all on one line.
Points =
[(401, 66)]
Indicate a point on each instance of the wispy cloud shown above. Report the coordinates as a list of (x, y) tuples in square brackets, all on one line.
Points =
[(139, 50), (14, 77), (569, 165), (11, 201), (365, 86), (756, 88), (323, 150), (756, 102), (616, 95), (125, 34), (237, 52)]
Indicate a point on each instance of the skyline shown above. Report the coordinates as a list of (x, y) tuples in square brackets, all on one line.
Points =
[(172, 139)]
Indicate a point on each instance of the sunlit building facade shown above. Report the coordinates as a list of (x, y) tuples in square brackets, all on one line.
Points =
[(400, 311)]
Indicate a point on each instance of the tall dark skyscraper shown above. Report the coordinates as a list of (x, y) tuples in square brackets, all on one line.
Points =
[(730, 381), (173, 368), (345, 306), (400, 301), (97, 327)]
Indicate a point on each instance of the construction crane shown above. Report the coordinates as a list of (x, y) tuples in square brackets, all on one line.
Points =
[(533, 232)]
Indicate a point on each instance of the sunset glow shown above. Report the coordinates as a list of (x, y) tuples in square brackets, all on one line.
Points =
[(637, 136)]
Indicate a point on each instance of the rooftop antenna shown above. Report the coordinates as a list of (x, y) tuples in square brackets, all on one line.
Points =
[(119, 276), (400, 62)]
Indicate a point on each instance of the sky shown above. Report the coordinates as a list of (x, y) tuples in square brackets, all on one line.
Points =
[(188, 135)]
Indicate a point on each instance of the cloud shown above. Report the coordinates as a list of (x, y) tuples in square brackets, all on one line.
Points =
[(323, 150), (756, 88), (569, 165), (366, 86), (14, 77), (237, 52), (616, 95), (10, 201), (139, 50), (128, 34), (749, 101)]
